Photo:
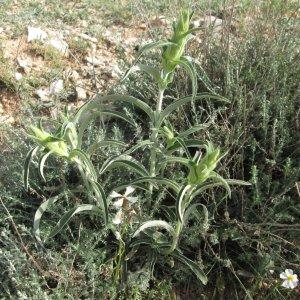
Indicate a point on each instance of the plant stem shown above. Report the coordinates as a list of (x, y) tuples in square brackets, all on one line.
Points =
[(154, 136), (178, 229)]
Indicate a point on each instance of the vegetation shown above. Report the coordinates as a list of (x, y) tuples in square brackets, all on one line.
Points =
[(164, 219)]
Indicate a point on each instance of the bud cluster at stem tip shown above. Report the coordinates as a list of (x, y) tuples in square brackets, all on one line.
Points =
[(49, 142), (201, 171), (173, 53)]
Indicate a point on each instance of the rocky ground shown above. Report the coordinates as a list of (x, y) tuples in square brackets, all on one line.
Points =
[(46, 62)]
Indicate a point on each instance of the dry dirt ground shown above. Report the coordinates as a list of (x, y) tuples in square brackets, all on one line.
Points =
[(75, 60)]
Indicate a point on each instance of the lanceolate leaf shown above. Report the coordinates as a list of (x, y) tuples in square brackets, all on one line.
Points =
[(27, 162), (67, 216), (193, 210), (148, 47), (154, 72), (201, 189), (154, 180), (181, 201), (184, 146), (126, 160), (189, 143), (177, 104), (237, 182), (192, 265), (42, 164), (102, 100), (155, 223), (193, 129), (174, 159), (39, 213), (101, 198), (220, 179), (187, 65), (84, 124), (138, 146), (86, 161)]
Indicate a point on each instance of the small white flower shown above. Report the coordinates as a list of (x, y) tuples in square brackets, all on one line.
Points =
[(118, 235), (120, 198), (119, 216), (271, 271), (290, 279)]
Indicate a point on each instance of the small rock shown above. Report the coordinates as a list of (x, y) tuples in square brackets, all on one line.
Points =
[(56, 87), (81, 93), (36, 33), (6, 119), (74, 76), (208, 21), (24, 63), (88, 38), (43, 94), (59, 45), (18, 76), (94, 61), (160, 21), (115, 72)]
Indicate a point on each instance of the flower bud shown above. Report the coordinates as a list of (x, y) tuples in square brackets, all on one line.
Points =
[(200, 172), (51, 143), (173, 53)]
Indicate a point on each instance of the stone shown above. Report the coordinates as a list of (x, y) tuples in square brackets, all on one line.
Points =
[(81, 93), (18, 76), (94, 61), (36, 33), (59, 45), (56, 87), (88, 38), (6, 119)]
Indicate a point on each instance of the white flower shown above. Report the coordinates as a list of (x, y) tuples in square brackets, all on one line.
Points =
[(271, 271), (120, 198), (118, 235), (290, 279), (118, 219)]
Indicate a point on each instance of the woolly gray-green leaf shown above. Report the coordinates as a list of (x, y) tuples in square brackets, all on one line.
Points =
[(181, 201), (190, 69), (27, 162), (152, 71), (177, 104), (42, 164), (102, 100), (154, 223), (154, 180), (193, 129), (67, 217), (138, 146), (39, 213), (101, 198), (87, 164), (127, 161), (192, 265)]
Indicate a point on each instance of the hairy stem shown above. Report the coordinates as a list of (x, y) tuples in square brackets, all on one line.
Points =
[(154, 136)]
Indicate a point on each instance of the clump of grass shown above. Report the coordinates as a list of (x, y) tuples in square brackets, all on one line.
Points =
[(52, 56)]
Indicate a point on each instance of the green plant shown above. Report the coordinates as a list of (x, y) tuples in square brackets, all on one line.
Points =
[(135, 233)]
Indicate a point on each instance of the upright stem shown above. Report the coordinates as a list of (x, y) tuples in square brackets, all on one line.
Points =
[(154, 136)]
